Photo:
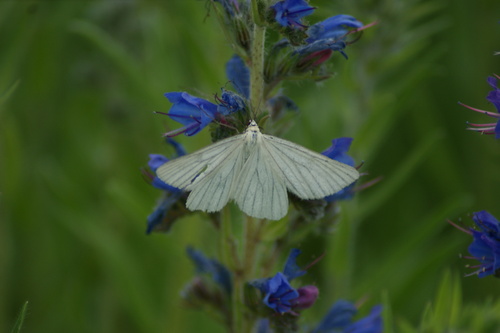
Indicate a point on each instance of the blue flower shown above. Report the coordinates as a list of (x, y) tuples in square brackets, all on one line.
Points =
[(494, 98), (486, 244), (289, 12), (325, 37), (278, 293), (157, 160), (332, 28), (219, 273), (292, 270), (339, 320), (338, 151), (239, 75), (192, 112), (230, 102), (158, 220)]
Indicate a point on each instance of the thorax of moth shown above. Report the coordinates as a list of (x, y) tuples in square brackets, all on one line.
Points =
[(252, 136)]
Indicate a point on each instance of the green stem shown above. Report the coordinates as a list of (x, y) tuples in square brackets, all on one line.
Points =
[(226, 249), (257, 71), (225, 238), (252, 239), (238, 321)]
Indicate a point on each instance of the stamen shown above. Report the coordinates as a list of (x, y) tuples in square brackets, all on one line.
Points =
[(481, 125), (488, 113), (315, 261), (459, 227)]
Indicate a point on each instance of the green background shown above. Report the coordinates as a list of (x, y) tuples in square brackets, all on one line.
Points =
[(79, 81)]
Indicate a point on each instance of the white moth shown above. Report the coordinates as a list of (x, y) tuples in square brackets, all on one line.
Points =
[(255, 170)]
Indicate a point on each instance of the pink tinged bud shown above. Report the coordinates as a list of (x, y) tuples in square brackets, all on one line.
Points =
[(307, 297)]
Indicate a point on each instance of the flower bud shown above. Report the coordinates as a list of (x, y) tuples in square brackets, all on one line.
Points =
[(307, 297)]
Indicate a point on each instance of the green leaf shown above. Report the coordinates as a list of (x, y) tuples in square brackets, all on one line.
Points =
[(20, 319)]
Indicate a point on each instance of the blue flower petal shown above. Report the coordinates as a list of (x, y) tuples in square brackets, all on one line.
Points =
[(494, 95), (156, 218), (219, 272), (488, 223), (238, 73), (338, 151), (279, 293), (486, 244), (369, 324), (192, 112), (338, 317), (332, 28), (290, 12), (230, 103), (179, 149), (292, 270), (156, 160)]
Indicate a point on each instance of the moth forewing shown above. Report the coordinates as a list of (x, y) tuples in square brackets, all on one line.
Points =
[(308, 174), (184, 171)]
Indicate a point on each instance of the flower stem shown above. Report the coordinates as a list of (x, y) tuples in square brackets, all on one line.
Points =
[(257, 69), (227, 255)]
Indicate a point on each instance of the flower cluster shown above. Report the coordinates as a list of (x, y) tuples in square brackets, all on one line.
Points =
[(290, 57), (485, 246), (301, 51), (279, 295), (168, 208)]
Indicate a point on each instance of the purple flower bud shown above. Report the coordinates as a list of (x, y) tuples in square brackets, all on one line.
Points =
[(279, 294), (307, 297)]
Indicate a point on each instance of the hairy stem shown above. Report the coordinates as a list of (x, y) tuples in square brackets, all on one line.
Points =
[(257, 69)]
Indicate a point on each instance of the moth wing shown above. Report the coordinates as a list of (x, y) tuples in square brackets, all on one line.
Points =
[(210, 192), (260, 189), (308, 174), (184, 172)]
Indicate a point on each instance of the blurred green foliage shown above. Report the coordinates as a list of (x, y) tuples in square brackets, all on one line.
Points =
[(79, 81)]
